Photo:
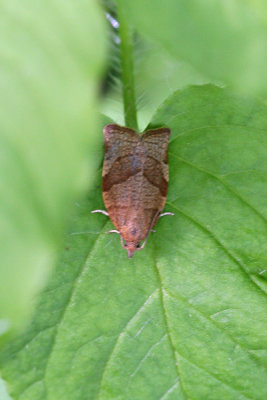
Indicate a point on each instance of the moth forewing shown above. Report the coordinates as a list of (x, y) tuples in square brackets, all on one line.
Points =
[(135, 181)]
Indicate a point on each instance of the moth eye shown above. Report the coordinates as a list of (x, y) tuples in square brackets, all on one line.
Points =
[(138, 246)]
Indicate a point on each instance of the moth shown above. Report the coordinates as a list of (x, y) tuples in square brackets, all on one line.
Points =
[(135, 182)]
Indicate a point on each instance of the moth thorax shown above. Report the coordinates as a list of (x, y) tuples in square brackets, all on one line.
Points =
[(132, 232)]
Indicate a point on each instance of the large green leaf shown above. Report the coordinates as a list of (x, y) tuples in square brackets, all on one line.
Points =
[(50, 66), (186, 317), (225, 40)]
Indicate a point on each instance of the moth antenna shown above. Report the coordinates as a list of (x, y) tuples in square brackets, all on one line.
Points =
[(100, 211), (166, 213)]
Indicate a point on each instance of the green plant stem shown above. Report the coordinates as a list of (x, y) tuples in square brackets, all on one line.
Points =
[(127, 65)]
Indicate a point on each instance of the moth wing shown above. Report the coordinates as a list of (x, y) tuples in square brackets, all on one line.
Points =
[(120, 143), (156, 171), (156, 142), (119, 166)]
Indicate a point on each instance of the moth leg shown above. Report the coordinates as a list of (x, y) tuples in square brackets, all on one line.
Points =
[(100, 211), (166, 213), (113, 231), (143, 245), (153, 230)]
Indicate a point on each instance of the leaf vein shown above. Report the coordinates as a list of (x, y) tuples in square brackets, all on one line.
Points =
[(215, 377), (29, 386), (164, 312), (213, 126), (170, 390), (33, 338), (120, 335), (148, 354), (208, 318), (228, 187), (69, 301), (222, 246)]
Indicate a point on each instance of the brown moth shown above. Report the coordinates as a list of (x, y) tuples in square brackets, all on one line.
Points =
[(135, 181)]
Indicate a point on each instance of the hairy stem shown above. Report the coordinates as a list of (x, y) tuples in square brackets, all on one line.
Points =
[(127, 66)]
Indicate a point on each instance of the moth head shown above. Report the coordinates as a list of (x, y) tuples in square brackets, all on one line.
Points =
[(131, 247)]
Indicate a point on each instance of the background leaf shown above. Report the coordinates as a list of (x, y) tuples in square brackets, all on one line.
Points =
[(226, 40), (3, 392), (156, 74), (186, 317), (49, 74)]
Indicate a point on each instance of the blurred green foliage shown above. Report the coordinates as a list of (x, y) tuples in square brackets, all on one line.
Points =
[(186, 317), (157, 75), (48, 77), (3, 392), (225, 40)]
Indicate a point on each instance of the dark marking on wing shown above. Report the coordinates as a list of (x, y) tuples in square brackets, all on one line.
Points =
[(122, 169), (154, 175)]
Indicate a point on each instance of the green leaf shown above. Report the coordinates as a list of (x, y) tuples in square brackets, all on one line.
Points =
[(226, 40), (186, 317), (50, 67)]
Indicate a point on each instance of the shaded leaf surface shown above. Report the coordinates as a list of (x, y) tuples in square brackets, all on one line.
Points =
[(49, 72), (186, 317)]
